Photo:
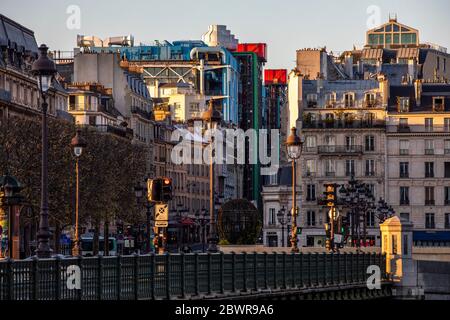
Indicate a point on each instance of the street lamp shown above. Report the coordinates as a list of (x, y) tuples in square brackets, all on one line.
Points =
[(294, 150), (281, 215), (78, 144), (139, 193), (212, 117), (44, 69)]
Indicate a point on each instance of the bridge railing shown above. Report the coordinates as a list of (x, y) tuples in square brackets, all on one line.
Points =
[(178, 276)]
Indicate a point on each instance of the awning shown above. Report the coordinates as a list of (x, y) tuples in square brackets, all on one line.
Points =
[(431, 235)]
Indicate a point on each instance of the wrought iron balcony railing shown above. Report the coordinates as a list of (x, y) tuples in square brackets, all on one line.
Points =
[(340, 149), (343, 124)]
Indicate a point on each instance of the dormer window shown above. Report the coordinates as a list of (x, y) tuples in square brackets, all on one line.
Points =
[(349, 100), (403, 104), (370, 100), (438, 104), (331, 100), (311, 99)]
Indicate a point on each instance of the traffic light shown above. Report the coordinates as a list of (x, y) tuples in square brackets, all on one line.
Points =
[(154, 190), (159, 190), (330, 195), (166, 189)]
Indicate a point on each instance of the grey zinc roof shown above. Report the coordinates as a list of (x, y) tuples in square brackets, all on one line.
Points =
[(17, 35)]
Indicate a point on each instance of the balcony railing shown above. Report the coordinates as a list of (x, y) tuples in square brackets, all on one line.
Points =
[(119, 131), (429, 151), (343, 124), (141, 112), (330, 173), (404, 175), (340, 150), (429, 202), (404, 202)]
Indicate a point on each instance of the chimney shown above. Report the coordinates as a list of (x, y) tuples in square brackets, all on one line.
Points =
[(384, 89), (418, 91)]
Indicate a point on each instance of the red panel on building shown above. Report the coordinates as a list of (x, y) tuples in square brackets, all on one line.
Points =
[(275, 76), (259, 48)]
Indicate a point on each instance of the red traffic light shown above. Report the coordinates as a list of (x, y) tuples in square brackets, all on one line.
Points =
[(166, 181)]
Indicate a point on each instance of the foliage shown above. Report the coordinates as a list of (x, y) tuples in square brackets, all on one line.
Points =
[(109, 169)]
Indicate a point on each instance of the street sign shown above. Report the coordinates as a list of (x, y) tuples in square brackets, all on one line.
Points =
[(161, 212), (338, 238), (161, 215), (161, 224)]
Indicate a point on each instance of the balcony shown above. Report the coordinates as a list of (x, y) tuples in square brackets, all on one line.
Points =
[(343, 124), (404, 175), (403, 129), (344, 150), (429, 151), (141, 112), (429, 202), (404, 202), (118, 131), (330, 173)]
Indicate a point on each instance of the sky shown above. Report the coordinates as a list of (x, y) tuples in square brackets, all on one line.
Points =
[(285, 25)]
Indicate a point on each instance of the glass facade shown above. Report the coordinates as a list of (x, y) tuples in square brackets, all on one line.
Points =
[(392, 34)]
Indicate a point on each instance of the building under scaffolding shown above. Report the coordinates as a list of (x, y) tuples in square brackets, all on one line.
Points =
[(211, 71)]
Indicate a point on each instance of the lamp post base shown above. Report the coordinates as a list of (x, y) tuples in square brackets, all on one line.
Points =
[(76, 250)]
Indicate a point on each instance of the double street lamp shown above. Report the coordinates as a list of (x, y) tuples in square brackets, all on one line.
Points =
[(78, 144), (139, 193), (44, 69), (212, 117), (294, 150)]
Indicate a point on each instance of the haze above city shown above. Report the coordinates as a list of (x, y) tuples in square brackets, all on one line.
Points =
[(284, 25)]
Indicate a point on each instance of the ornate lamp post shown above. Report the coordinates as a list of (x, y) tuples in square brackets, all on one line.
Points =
[(78, 144), (212, 117), (281, 215), (44, 69), (294, 151), (139, 192)]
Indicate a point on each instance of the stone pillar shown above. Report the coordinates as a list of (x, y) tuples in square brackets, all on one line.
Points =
[(397, 243)]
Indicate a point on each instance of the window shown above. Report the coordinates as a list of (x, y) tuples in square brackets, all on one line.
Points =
[(370, 168), (446, 124), (429, 221), (404, 169), (349, 168), (403, 123), (403, 104), (404, 196), (404, 216), (446, 169), (438, 64), (404, 147), (311, 218), (349, 100), (329, 168), (331, 100), (429, 147), (429, 124), (350, 143), (438, 104), (310, 167), (447, 196), (311, 192), (372, 189), (272, 216), (429, 196), (405, 244), (371, 219), (311, 142), (447, 146), (370, 100), (370, 143), (429, 169), (311, 99), (394, 244), (447, 221)]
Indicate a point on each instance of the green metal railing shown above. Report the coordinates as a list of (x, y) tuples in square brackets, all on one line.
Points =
[(172, 276)]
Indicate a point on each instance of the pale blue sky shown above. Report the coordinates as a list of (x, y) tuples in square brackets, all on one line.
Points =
[(285, 25)]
